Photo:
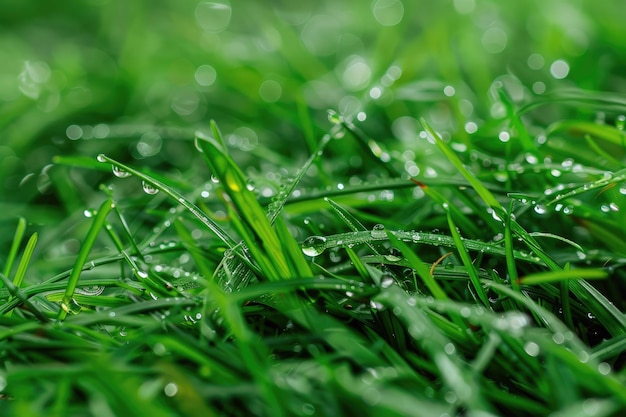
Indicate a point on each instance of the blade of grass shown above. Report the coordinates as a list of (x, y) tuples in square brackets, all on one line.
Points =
[(15, 245), (563, 275), (508, 248), (467, 261), (96, 226), (419, 266), (176, 196), (516, 122), (25, 261), (259, 230), (23, 298)]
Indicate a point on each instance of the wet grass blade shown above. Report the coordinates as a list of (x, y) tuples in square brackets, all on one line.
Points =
[(467, 261), (96, 226), (177, 197), (419, 266), (15, 245), (259, 233), (563, 275)]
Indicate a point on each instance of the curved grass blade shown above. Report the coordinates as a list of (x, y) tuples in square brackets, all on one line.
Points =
[(19, 295), (617, 177), (359, 238), (601, 100), (606, 133), (97, 225), (193, 209), (381, 184), (17, 240), (23, 265)]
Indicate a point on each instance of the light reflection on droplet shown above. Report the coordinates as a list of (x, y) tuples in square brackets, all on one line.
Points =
[(119, 172), (149, 188)]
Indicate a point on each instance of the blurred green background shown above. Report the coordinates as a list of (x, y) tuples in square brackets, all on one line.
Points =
[(135, 79)]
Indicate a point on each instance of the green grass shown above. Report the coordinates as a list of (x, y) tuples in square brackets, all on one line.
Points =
[(415, 216)]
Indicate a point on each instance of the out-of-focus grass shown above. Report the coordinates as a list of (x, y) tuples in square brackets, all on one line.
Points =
[(399, 216)]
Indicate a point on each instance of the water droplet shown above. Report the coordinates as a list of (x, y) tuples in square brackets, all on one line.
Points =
[(558, 338), (540, 209), (449, 348), (532, 349), (376, 305), (378, 232), (386, 282), (101, 158), (170, 389), (119, 172), (89, 213), (333, 117), (149, 188), (314, 245), (604, 368)]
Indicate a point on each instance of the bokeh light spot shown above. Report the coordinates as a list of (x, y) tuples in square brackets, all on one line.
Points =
[(388, 12), (559, 69), (213, 16), (205, 75)]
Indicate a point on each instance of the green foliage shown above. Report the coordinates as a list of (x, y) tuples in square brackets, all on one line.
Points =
[(409, 208)]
